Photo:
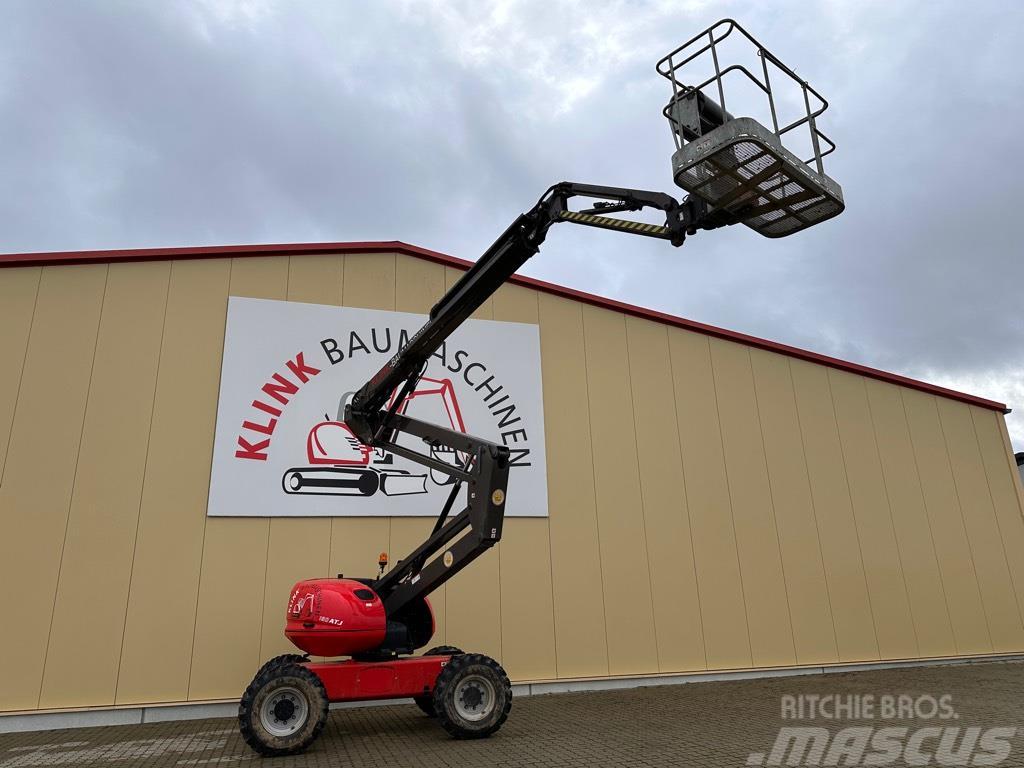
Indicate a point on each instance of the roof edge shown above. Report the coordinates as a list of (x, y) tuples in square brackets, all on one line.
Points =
[(397, 246)]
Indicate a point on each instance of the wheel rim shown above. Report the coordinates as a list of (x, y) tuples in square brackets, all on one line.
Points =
[(474, 697), (284, 711)]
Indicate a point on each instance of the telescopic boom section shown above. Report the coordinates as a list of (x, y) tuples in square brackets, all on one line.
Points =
[(485, 472)]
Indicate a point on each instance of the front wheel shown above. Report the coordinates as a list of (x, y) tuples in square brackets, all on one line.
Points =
[(426, 702), (285, 658), (472, 696), (283, 710)]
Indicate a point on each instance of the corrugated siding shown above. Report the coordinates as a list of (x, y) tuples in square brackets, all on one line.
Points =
[(713, 506)]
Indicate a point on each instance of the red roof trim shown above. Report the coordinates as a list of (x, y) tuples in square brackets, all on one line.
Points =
[(395, 246)]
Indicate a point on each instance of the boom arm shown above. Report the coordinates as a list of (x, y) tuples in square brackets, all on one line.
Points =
[(486, 469)]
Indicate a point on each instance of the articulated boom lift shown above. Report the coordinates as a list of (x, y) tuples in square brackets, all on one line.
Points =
[(486, 472), (737, 171)]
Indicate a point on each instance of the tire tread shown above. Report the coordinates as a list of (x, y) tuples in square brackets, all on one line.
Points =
[(426, 701), (246, 714), (450, 674)]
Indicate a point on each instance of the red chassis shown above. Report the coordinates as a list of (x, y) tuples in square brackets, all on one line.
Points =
[(400, 678)]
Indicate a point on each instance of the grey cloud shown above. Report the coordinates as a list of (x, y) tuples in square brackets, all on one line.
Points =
[(129, 124)]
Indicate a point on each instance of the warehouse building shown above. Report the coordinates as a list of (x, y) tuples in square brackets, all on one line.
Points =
[(709, 502)]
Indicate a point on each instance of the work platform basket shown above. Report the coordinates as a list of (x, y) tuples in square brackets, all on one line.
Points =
[(745, 171)]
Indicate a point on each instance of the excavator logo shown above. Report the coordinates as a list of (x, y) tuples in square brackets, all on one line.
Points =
[(298, 604), (340, 465)]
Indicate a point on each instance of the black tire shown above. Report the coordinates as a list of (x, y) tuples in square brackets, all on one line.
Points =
[(426, 701), (284, 658), (283, 710), (472, 696), (444, 650)]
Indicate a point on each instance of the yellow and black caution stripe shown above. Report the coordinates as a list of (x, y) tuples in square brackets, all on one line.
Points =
[(652, 230)]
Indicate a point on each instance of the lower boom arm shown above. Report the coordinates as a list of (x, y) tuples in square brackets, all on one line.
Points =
[(486, 467)]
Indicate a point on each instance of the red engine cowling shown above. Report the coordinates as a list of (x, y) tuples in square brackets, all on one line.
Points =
[(335, 617)]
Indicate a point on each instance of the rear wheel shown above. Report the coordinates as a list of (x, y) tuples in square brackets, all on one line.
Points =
[(283, 710), (426, 701), (472, 696)]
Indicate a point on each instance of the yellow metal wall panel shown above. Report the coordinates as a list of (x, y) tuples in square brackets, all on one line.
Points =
[(997, 457), (628, 607), (515, 304), (473, 598), (910, 521), (18, 290), (576, 576), (261, 278), (527, 602), (837, 530), (757, 539), (975, 501), (673, 576), (810, 613), (316, 279), (418, 286), (524, 554), (99, 542), (963, 598), (369, 282), (229, 617), (161, 610), (719, 581), (883, 568), (40, 471), (355, 544), (1011, 459), (299, 548)]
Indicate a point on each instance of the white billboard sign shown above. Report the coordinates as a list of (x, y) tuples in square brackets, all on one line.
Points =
[(282, 449)]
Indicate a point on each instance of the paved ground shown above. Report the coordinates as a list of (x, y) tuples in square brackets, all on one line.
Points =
[(705, 724)]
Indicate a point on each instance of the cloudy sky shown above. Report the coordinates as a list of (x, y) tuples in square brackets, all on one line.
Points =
[(130, 124)]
